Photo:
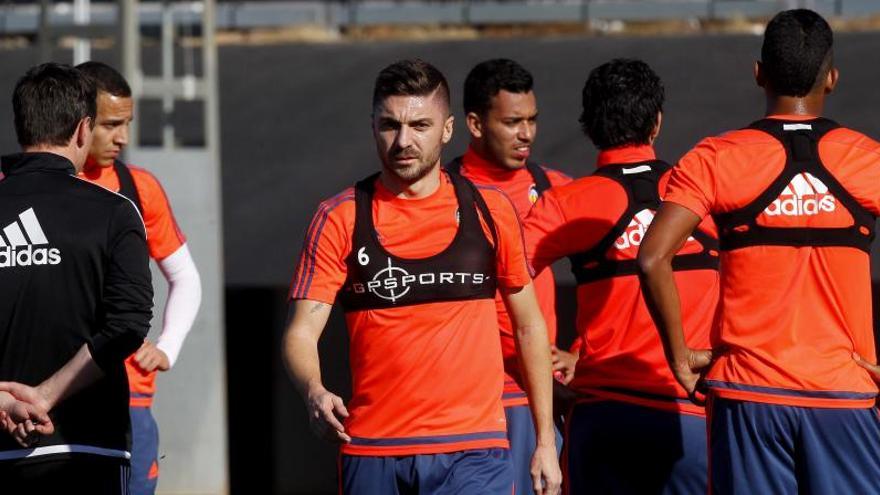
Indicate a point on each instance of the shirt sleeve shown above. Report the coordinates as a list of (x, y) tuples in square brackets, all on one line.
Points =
[(127, 295), (543, 247), (693, 181), (322, 269), (163, 235), (511, 267), (182, 305)]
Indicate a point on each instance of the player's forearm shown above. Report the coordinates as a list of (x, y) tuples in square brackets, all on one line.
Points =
[(78, 373), (534, 352), (184, 299), (305, 324), (661, 297), (301, 357)]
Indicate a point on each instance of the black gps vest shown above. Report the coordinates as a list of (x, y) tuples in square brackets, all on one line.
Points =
[(465, 270), (739, 228), (539, 175), (640, 181), (126, 185)]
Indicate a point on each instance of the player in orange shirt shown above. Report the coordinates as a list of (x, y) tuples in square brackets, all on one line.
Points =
[(414, 256), (167, 247), (502, 114), (630, 413), (795, 197)]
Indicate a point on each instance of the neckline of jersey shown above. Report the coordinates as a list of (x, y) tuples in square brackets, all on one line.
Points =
[(482, 171), (445, 182), (626, 154)]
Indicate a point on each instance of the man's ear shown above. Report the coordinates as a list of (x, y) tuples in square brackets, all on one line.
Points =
[(448, 127), (84, 133), (831, 80), (474, 125), (656, 131), (760, 79)]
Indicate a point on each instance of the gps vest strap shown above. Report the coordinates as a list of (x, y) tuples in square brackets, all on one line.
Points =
[(739, 228), (539, 175), (126, 185), (465, 270), (640, 181)]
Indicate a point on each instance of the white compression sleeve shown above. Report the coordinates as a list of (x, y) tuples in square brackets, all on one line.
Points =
[(184, 298)]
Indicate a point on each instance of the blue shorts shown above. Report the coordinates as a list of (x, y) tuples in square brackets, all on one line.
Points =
[(522, 438), (769, 448), (144, 451), (470, 472), (620, 448)]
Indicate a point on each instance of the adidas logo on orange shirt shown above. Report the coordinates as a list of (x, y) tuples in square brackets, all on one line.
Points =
[(635, 231), (17, 246), (804, 195)]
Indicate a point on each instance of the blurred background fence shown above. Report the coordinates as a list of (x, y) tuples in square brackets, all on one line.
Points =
[(21, 17)]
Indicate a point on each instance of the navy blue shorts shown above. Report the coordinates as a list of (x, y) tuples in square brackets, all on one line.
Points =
[(522, 438), (769, 448), (144, 451), (620, 448), (470, 472)]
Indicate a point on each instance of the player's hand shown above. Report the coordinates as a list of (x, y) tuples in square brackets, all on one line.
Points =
[(564, 363), (150, 358), (326, 412), (24, 421), (873, 369), (546, 475), (689, 372)]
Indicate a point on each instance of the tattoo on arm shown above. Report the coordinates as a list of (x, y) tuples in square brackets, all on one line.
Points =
[(318, 307)]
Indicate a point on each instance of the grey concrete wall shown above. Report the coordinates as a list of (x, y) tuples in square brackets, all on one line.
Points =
[(190, 404)]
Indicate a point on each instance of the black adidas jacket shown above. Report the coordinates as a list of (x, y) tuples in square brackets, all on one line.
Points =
[(74, 270)]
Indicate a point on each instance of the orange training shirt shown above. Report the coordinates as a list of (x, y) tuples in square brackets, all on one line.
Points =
[(792, 316), (163, 239), (520, 188), (621, 355), (426, 378)]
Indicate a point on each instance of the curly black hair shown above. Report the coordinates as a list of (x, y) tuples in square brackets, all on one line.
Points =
[(621, 100), (796, 54)]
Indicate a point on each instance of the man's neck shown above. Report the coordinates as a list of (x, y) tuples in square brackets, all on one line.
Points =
[(421, 188), (65, 151), (812, 104), (480, 150)]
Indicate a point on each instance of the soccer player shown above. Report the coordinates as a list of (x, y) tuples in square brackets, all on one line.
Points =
[(75, 297), (502, 118), (632, 429), (414, 256), (795, 197), (167, 247)]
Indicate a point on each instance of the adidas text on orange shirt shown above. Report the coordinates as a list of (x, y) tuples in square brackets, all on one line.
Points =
[(621, 355), (792, 316)]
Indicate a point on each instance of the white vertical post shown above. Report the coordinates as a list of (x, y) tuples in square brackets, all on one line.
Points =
[(82, 48)]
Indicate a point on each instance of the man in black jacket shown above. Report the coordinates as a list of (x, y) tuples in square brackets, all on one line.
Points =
[(75, 298)]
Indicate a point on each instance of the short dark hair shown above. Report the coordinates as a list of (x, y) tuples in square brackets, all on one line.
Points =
[(106, 78), (49, 102), (487, 78), (413, 77), (796, 54), (621, 100)]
